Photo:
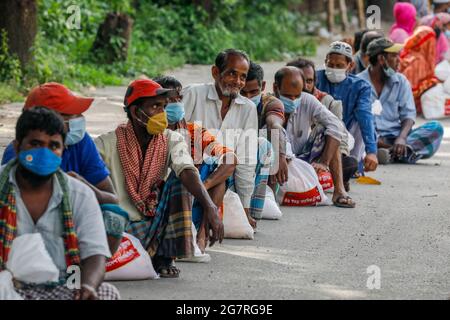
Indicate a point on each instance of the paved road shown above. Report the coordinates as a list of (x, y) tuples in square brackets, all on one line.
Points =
[(401, 226)]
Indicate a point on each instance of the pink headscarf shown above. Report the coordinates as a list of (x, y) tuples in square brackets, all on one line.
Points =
[(405, 17), (438, 20)]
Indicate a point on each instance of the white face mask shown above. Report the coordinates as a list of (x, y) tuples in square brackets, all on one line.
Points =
[(335, 75)]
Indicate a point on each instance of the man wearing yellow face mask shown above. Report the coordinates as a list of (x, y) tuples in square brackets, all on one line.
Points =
[(139, 155)]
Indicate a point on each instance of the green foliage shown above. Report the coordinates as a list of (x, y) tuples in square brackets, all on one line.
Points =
[(9, 65), (9, 93), (166, 34)]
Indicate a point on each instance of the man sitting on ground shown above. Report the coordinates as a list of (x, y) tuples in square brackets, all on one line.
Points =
[(270, 117), (80, 158), (349, 163), (361, 58), (219, 106), (219, 165), (392, 92), (36, 196), (355, 94), (301, 111), (139, 155)]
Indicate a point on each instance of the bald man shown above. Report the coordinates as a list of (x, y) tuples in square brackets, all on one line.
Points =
[(303, 110)]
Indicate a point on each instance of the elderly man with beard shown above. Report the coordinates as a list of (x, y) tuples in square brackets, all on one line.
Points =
[(397, 140), (220, 106), (36, 196)]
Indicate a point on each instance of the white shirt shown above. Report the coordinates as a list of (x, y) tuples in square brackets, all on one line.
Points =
[(237, 131), (311, 111), (87, 219)]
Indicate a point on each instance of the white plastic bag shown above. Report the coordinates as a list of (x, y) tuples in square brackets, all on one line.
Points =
[(130, 262), (7, 291), (271, 211), (303, 187), (29, 260), (198, 255), (235, 222), (442, 70), (436, 102)]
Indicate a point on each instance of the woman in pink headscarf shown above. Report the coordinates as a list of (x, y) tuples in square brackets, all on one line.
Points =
[(438, 22), (405, 21)]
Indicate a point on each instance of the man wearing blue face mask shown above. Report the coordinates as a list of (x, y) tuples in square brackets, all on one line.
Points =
[(80, 158), (37, 197), (302, 110), (355, 94), (395, 119)]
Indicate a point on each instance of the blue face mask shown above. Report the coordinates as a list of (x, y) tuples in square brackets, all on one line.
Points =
[(257, 99), (41, 161), (175, 112), (289, 105), (77, 130)]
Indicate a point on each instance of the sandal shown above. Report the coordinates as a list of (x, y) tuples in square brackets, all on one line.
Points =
[(347, 203), (166, 268)]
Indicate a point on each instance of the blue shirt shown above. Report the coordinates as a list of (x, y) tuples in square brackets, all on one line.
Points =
[(82, 158), (355, 94), (397, 101)]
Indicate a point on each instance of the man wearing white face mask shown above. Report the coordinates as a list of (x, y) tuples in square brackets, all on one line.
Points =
[(355, 94), (80, 158), (397, 140), (301, 111)]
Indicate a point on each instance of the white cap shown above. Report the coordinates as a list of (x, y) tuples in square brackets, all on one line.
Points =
[(343, 48), (441, 1)]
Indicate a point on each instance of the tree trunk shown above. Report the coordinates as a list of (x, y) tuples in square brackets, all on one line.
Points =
[(19, 19), (343, 8), (113, 38), (361, 14), (330, 16)]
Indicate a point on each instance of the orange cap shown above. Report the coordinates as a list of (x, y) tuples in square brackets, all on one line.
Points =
[(145, 88), (57, 97)]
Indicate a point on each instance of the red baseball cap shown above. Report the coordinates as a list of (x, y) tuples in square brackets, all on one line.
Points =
[(145, 88), (57, 97)]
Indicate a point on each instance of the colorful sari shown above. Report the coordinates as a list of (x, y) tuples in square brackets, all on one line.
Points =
[(417, 62)]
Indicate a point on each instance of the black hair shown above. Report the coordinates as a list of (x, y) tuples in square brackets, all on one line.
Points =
[(368, 38), (168, 82), (255, 72), (301, 63), (358, 38), (42, 119), (222, 58)]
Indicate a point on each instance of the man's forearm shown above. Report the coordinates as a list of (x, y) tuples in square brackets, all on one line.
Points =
[(276, 124), (191, 181), (225, 170), (331, 145), (93, 271), (407, 125)]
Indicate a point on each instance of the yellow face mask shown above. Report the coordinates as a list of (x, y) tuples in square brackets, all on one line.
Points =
[(157, 123)]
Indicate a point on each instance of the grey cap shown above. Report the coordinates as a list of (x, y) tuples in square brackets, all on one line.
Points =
[(343, 48), (383, 45)]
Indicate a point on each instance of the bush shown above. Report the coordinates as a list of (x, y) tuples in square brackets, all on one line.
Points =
[(166, 34)]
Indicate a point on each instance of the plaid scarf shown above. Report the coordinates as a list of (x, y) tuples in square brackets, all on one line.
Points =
[(8, 218), (142, 173)]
